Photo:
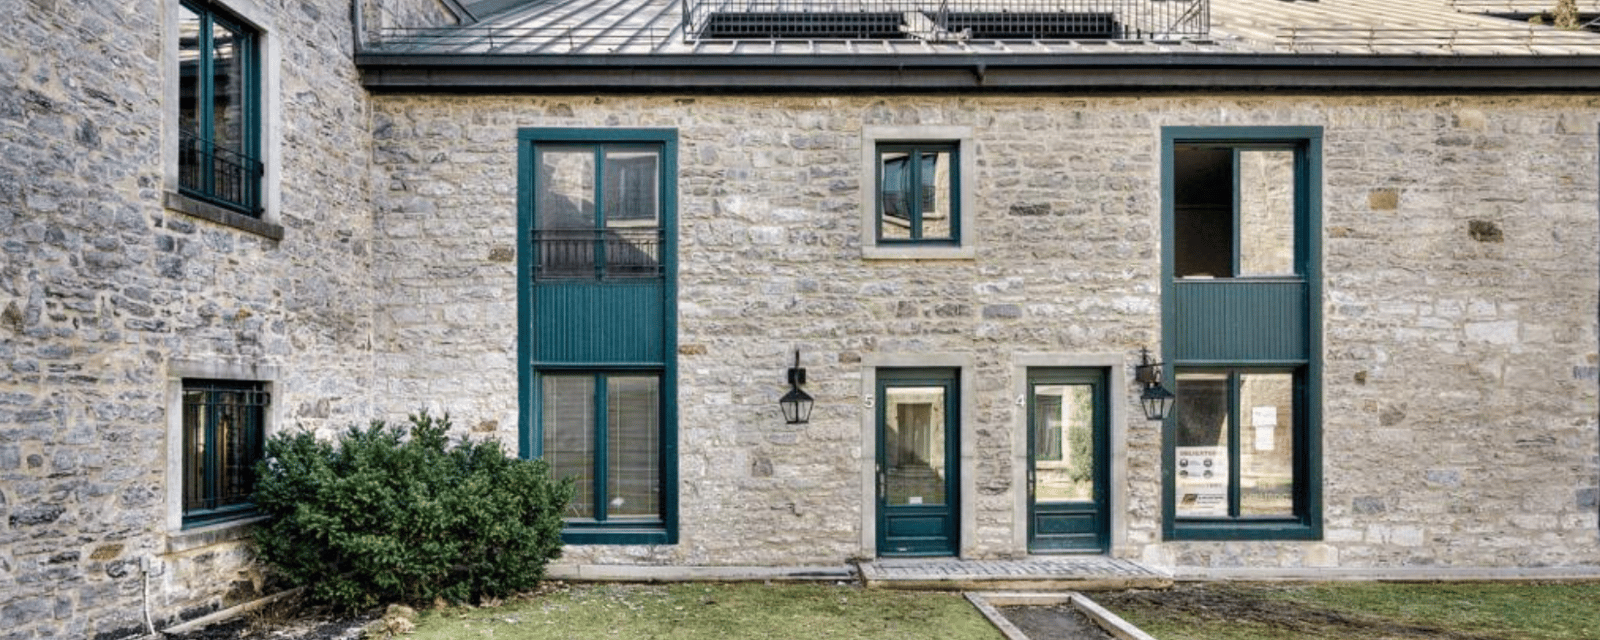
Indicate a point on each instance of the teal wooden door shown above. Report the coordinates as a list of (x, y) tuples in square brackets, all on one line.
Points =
[(918, 498), (1067, 462)]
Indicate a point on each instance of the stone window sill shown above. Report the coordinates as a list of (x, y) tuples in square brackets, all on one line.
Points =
[(190, 206), (180, 541)]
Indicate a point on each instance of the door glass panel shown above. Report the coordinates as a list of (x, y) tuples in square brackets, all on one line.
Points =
[(568, 421), (1266, 453), (1266, 212), (565, 211), (190, 89), (633, 427), (228, 89), (914, 446), (1063, 446), (1202, 212), (631, 188), (1202, 447)]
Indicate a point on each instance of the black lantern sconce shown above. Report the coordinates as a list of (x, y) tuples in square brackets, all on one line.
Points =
[(796, 404), (1155, 399)]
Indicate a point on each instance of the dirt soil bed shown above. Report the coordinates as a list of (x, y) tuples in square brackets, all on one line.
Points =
[(1259, 608), (1054, 622)]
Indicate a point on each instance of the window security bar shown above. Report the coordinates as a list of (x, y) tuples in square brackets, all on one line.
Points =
[(219, 175)]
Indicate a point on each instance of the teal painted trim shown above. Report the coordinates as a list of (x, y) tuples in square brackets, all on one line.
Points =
[(1308, 229), (1097, 379), (949, 543), (917, 149), (530, 363)]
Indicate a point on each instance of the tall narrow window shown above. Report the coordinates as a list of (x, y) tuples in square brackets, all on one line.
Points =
[(1240, 329), (224, 429), (597, 326), (219, 156)]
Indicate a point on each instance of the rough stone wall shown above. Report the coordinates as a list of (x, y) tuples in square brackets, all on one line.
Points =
[(1460, 272), (102, 289)]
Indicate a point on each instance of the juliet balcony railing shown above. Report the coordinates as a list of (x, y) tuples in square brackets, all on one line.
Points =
[(219, 175), (946, 20), (598, 254)]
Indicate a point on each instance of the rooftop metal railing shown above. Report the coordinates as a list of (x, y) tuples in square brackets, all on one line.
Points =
[(946, 20)]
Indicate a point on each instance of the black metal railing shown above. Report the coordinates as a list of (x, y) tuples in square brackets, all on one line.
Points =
[(632, 252), (947, 20), (219, 175)]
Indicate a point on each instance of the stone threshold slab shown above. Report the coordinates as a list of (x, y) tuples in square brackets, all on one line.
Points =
[(1087, 573), (700, 573)]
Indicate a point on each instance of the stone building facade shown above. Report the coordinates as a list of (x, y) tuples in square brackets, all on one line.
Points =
[(1458, 264)]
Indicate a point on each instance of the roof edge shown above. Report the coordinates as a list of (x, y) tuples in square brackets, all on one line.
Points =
[(1164, 72)]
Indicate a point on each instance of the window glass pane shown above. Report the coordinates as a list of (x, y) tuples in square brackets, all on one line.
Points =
[(913, 441), (189, 88), (1266, 454), (1063, 444), (633, 477), (1266, 212), (631, 188), (937, 207), (1201, 453), (567, 421), (564, 211), (894, 196), (235, 435), (228, 80), (1202, 212), (194, 450)]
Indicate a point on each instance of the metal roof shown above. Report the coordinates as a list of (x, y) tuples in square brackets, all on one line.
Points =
[(1384, 27), (1393, 45)]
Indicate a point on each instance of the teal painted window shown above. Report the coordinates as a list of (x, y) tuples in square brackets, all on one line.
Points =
[(219, 105), (224, 430), (598, 334), (918, 197), (1241, 332)]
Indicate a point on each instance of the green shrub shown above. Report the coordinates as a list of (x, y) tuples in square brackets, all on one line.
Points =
[(380, 516)]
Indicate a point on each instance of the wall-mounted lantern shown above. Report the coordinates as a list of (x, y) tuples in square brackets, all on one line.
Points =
[(1155, 399), (796, 404)]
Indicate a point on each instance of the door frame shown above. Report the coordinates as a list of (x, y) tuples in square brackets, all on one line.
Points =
[(1117, 368), (1099, 503), (966, 493), (949, 433)]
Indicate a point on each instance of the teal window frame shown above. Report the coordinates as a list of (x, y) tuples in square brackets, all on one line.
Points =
[(914, 208), (205, 405), (198, 177), (1275, 322), (597, 359)]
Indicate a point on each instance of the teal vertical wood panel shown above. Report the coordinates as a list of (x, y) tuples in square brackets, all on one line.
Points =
[(615, 323), (1240, 321)]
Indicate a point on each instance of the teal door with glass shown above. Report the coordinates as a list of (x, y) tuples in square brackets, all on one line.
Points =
[(918, 505), (1067, 462)]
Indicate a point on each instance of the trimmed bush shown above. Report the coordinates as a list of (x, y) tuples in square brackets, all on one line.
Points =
[(385, 516)]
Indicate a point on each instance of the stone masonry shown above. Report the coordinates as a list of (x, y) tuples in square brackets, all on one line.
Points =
[(1459, 419), (1462, 271)]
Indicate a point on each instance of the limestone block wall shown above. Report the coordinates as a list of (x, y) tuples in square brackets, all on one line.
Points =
[(104, 292), (1461, 270)]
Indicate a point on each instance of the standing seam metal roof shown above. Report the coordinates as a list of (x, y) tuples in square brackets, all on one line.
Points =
[(1340, 27)]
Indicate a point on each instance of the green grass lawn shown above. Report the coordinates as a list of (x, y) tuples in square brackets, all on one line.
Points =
[(1371, 611), (715, 612)]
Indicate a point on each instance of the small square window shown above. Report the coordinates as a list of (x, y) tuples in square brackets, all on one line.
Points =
[(917, 198), (917, 188), (224, 433)]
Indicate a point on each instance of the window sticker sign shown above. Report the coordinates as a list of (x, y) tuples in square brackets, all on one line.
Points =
[(1202, 481), (1266, 421)]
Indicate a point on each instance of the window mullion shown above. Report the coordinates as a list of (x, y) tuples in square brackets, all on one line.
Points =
[(602, 424), (1235, 381), (599, 212), (914, 192)]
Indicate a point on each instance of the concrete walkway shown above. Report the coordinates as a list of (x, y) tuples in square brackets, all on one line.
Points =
[(1081, 573)]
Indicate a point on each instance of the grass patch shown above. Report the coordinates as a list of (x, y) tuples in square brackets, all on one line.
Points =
[(715, 612), (1437, 611)]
